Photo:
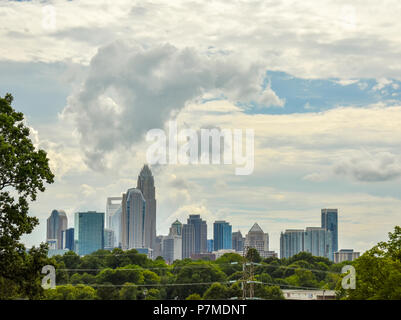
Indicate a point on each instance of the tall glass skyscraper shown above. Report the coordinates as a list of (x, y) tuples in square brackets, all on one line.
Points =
[(89, 232), (133, 220), (56, 223), (188, 240), (291, 242), (68, 239), (200, 233), (222, 235), (318, 241), (330, 222), (146, 184)]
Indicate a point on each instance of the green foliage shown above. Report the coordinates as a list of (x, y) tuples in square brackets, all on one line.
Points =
[(128, 292), (194, 296), (216, 291), (24, 170), (70, 292), (378, 272), (253, 255)]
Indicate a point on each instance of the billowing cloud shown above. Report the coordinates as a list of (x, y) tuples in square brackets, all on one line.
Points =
[(131, 89), (368, 167)]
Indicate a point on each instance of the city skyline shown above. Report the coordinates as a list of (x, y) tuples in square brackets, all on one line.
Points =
[(326, 135)]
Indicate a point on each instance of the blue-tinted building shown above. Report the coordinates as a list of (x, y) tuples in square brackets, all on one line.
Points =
[(292, 242), (222, 235), (68, 239), (89, 232), (330, 223), (200, 233), (210, 246), (318, 241)]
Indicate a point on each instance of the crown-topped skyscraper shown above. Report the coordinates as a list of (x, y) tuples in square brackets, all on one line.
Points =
[(146, 184)]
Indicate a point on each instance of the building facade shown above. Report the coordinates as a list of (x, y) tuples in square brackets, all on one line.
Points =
[(222, 235), (133, 220), (238, 241), (109, 239), (188, 240), (329, 219), (146, 184), (291, 242), (345, 255), (200, 233), (68, 239), (318, 242), (56, 223), (112, 204), (88, 232), (257, 239)]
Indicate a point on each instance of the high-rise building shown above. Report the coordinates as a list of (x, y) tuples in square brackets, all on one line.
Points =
[(112, 204), (259, 240), (147, 186), (109, 239), (238, 241), (88, 232), (330, 222), (210, 246), (318, 241), (291, 242), (172, 244), (56, 223), (116, 226), (200, 228), (188, 240), (345, 255), (68, 239), (176, 228), (133, 220), (158, 251), (222, 235)]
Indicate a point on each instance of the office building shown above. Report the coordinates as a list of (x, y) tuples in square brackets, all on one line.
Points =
[(68, 239), (210, 246), (112, 204), (318, 242), (238, 241), (222, 235), (257, 239), (200, 233), (133, 220), (188, 240), (329, 219), (345, 255), (56, 223), (115, 225), (176, 228), (88, 232), (147, 186), (291, 242), (109, 239)]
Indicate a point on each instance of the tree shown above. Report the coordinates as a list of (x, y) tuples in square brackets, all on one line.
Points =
[(378, 272), (216, 291), (23, 173), (253, 255), (128, 292), (194, 296)]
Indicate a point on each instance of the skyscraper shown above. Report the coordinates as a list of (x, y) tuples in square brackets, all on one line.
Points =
[(222, 235), (257, 239), (68, 239), (172, 244), (147, 186), (330, 222), (133, 220), (188, 240), (112, 204), (89, 232), (318, 241), (238, 241), (115, 225), (56, 223), (291, 242), (109, 239), (200, 233)]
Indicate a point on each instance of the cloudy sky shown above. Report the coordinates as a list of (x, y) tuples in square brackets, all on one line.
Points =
[(318, 81)]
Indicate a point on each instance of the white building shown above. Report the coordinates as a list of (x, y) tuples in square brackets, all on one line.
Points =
[(259, 240), (345, 255)]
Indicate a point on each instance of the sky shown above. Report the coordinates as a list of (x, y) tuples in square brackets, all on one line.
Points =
[(317, 81)]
